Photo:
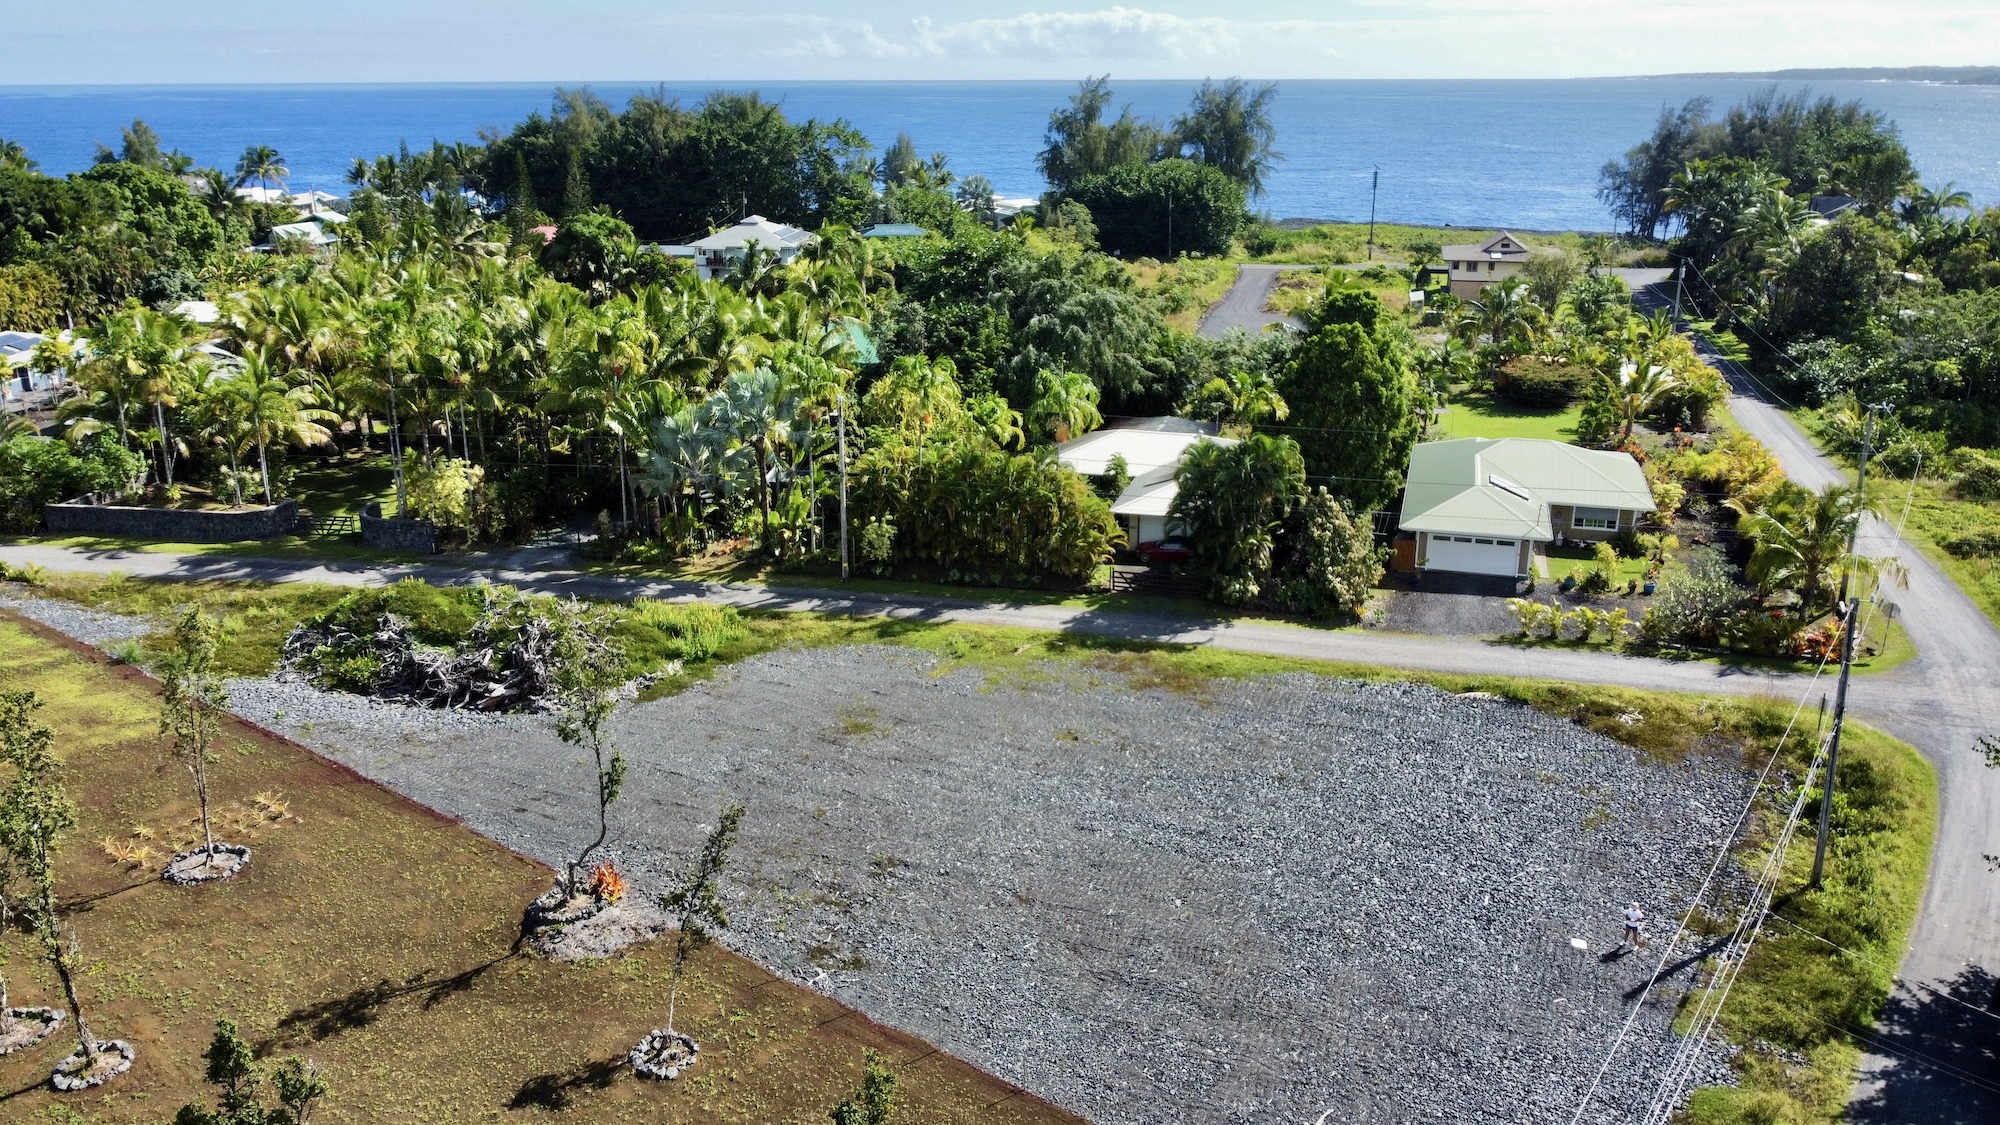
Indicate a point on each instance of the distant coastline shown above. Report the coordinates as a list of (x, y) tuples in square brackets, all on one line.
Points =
[(1950, 75)]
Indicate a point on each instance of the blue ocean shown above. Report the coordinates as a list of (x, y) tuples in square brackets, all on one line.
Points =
[(1472, 153)]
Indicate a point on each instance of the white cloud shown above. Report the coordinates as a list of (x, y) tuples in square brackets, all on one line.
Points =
[(1113, 33)]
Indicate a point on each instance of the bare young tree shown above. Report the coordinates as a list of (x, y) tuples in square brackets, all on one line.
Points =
[(696, 904), (192, 705), (588, 671)]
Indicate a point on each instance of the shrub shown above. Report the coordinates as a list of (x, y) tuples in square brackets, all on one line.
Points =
[(1976, 474), (442, 492), (963, 507), (1538, 383), (1327, 559), (35, 471), (1697, 595), (1603, 568), (1697, 390)]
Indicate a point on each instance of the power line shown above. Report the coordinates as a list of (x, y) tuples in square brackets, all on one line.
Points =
[(1687, 919)]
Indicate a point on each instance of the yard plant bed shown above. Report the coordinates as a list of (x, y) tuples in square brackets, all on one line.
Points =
[(380, 939)]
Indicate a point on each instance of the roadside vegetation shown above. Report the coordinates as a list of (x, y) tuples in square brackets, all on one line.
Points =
[(1817, 257)]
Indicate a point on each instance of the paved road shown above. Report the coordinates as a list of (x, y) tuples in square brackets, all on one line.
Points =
[(1190, 626), (1935, 1056), (1243, 306)]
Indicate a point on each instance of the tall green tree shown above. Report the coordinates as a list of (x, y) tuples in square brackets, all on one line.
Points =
[(1163, 209), (1355, 403), (1228, 126), (1231, 500), (1080, 144)]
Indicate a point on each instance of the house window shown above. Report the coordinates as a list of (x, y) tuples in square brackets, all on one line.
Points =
[(1595, 519)]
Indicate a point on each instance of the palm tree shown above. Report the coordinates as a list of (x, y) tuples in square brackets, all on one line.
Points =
[(272, 410), (1065, 405), (1804, 544), (1634, 389), (263, 164), (1241, 398), (760, 409), (218, 194)]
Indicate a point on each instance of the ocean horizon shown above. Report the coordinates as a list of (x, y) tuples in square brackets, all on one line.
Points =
[(1475, 152)]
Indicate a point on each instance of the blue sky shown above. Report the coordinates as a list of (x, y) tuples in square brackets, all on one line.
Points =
[(95, 41)]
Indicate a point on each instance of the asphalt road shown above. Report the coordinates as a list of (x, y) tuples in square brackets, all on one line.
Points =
[(1243, 306)]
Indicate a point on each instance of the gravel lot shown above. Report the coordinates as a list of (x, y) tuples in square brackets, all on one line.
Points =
[(1257, 903)]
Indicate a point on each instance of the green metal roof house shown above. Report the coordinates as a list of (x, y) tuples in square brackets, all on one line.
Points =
[(1479, 505)]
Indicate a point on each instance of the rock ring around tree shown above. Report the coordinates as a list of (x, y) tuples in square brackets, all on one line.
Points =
[(206, 865), (27, 1027), (664, 1054), (114, 1057)]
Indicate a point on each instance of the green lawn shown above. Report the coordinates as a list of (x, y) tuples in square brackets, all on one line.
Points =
[(1482, 415), (1577, 561), (344, 486)]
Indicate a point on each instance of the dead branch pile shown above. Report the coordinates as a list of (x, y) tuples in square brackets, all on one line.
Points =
[(504, 664)]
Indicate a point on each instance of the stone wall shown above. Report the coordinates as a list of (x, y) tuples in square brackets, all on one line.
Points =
[(85, 516), (385, 534)]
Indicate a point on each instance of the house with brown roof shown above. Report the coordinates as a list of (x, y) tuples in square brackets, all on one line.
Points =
[(1473, 267)]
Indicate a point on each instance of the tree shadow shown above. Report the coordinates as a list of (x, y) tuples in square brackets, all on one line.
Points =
[(1934, 1054), (558, 1089), (363, 1006)]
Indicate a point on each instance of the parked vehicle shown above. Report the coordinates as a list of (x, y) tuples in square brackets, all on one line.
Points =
[(1172, 549)]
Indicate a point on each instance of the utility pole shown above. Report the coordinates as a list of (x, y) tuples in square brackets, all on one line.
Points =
[(1849, 619), (1170, 224), (1680, 276), (840, 414), (1374, 190)]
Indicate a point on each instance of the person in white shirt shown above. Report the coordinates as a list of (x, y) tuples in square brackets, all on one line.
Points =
[(1635, 927)]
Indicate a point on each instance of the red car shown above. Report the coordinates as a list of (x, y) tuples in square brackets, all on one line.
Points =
[(1172, 549)]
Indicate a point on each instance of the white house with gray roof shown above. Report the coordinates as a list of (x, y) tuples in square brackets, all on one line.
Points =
[(1152, 449), (720, 253), (1479, 505)]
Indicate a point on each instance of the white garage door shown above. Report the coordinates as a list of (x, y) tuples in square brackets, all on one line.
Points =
[(1467, 554)]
